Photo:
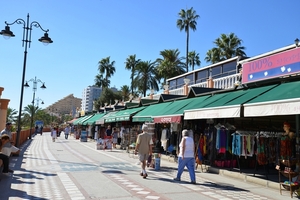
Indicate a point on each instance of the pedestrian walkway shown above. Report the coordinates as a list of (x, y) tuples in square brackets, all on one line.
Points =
[(39, 172)]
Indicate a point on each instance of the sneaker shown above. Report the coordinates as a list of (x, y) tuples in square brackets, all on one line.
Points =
[(176, 179), (5, 174), (193, 182), (10, 170), (141, 173)]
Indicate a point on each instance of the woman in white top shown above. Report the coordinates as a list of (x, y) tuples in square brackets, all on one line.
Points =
[(186, 157)]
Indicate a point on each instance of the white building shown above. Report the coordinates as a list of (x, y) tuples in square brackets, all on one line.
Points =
[(89, 94)]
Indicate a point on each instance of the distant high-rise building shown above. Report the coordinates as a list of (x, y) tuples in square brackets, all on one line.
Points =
[(90, 94)]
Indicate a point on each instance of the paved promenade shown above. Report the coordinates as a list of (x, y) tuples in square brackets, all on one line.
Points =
[(70, 169)]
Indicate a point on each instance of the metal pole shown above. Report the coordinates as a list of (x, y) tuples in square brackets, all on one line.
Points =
[(32, 114), (23, 79)]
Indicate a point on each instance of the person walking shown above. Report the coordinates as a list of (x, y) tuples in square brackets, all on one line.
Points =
[(53, 134), (115, 136), (144, 148), (67, 132), (186, 157)]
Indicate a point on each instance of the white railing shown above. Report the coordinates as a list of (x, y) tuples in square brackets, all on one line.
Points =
[(178, 91), (226, 82), (220, 83)]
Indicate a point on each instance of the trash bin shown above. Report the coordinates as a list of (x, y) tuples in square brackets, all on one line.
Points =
[(83, 136), (156, 161)]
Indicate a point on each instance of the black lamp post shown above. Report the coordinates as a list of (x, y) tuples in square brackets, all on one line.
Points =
[(27, 28), (34, 88)]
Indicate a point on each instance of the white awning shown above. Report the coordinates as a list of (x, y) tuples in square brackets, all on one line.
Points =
[(216, 112), (269, 108)]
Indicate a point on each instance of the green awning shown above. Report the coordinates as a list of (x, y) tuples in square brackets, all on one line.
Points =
[(149, 111), (281, 100), (82, 119), (110, 117), (225, 105), (124, 115), (92, 120), (77, 120)]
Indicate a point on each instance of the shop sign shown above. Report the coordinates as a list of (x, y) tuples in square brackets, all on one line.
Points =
[(100, 121), (171, 119), (277, 65), (291, 107), (213, 113), (125, 118)]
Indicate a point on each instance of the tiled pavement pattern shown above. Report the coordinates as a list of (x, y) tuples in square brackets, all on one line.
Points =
[(46, 175), (45, 183)]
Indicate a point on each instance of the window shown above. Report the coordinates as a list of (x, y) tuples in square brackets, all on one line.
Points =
[(202, 76), (230, 68), (172, 84), (216, 72)]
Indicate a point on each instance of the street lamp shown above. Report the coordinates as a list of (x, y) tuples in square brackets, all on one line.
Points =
[(38, 101), (34, 88), (27, 28)]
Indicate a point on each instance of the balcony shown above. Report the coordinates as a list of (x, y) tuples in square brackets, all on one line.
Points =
[(226, 82)]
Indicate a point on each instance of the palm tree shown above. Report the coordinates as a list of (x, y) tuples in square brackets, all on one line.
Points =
[(146, 77), (228, 46), (11, 115), (30, 114), (106, 69), (194, 59), (125, 92), (101, 82), (170, 65), (130, 64), (213, 55), (188, 20)]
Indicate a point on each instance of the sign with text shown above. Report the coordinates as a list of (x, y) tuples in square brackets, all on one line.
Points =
[(167, 119), (277, 65)]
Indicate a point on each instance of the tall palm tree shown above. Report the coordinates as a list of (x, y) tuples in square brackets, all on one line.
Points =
[(187, 20), (130, 64), (146, 77), (11, 115), (170, 65), (107, 70), (194, 59), (228, 46)]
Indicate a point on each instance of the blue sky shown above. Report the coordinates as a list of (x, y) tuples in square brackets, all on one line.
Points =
[(85, 31)]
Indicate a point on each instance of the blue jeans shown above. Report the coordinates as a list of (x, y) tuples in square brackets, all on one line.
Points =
[(190, 164)]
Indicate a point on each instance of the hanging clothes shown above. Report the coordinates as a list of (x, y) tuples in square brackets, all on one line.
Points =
[(236, 144)]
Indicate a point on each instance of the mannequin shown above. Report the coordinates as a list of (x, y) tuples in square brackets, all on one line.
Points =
[(286, 147)]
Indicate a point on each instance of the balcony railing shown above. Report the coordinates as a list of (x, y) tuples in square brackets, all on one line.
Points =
[(220, 83)]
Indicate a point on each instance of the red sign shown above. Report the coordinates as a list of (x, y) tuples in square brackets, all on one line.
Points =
[(163, 120), (276, 65)]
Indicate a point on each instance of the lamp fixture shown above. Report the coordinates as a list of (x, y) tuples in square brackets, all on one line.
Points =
[(45, 39), (7, 33), (166, 86), (186, 81), (152, 91), (297, 42), (26, 84)]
